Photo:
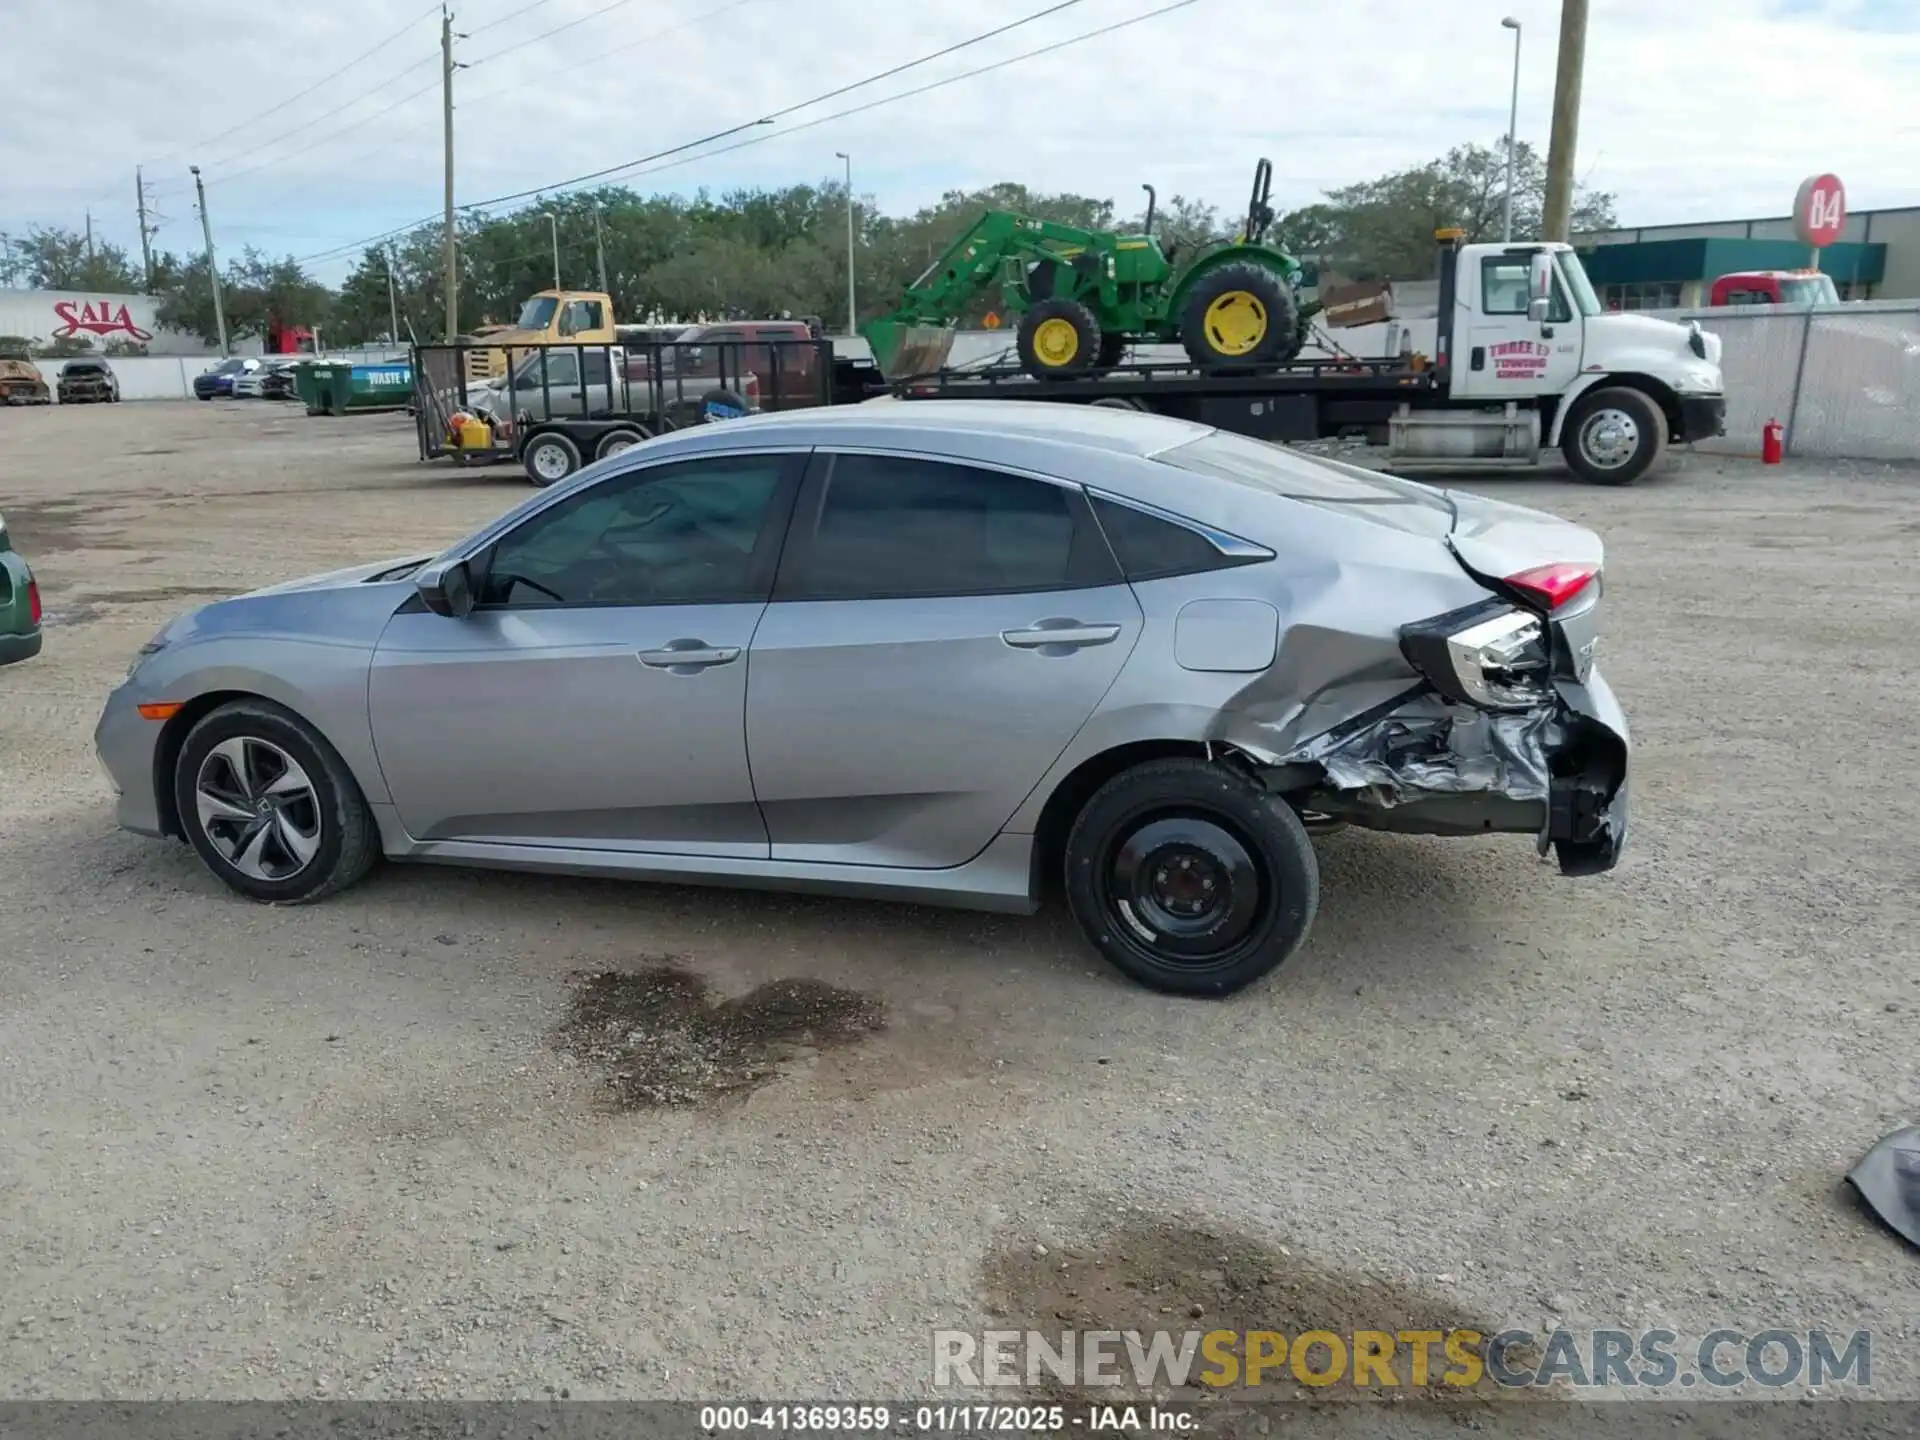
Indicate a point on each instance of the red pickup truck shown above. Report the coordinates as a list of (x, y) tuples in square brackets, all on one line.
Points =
[(779, 358)]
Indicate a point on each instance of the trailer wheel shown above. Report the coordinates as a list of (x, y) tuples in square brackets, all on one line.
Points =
[(618, 442), (1239, 315), (1058, 338), (1614, 436), (549, 458)]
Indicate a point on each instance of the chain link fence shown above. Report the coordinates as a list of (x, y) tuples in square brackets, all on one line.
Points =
[(1844, 380)]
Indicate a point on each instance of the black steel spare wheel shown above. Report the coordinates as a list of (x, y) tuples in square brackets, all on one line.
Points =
[(1190, 878)]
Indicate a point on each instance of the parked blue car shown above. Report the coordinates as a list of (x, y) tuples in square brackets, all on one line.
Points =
[(219, 380)]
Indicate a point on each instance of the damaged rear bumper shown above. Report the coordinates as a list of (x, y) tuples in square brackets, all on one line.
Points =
[(1424, 764)]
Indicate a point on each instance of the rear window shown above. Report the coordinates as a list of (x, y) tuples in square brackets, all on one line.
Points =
[(1392, 501)]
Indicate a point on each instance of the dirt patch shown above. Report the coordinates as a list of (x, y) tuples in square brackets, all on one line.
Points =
[(665, 1042), (1157, 1274)]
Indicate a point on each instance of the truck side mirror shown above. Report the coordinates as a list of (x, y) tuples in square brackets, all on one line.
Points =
[(1539, 286)]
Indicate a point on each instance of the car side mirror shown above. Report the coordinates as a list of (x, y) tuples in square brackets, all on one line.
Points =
[(446, 589), (1538, 310), (1539, 286)]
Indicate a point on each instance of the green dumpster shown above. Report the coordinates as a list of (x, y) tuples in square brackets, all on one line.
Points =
[(337, 387)]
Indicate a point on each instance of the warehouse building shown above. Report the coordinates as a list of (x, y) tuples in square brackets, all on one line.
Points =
[(1667, 267)]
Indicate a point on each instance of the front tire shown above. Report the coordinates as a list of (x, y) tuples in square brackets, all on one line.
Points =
[(1191, 879), (272, 809), (1058, 339), (1614, 436)]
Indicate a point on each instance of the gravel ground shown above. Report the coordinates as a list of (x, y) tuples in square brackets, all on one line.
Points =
[(375, 1149)]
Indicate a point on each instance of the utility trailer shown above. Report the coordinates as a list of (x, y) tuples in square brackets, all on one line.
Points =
[(557, 407), (1521, 358)]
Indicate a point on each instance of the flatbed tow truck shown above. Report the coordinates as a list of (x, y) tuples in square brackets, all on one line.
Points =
[(1520, 357)]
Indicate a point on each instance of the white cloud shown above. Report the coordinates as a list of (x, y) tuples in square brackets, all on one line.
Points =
[(1691, 110)]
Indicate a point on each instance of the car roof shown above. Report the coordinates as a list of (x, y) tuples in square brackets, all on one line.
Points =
[(956, 425)]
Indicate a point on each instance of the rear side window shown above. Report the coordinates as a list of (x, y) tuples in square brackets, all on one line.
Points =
[(1150, 548), (890, 526)]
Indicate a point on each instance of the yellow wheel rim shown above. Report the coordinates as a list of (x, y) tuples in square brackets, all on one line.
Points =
[(1236, 322), (1055, 342)]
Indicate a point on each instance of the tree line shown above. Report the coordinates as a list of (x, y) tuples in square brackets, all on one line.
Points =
[(767, 251)]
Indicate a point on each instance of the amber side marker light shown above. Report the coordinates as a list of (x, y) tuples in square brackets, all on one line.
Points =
[(160, 709)]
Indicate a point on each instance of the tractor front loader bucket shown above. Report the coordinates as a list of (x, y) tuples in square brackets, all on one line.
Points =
[(903, 351)]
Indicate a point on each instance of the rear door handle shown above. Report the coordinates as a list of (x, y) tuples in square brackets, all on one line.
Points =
[(687, 657), (1060, 636)]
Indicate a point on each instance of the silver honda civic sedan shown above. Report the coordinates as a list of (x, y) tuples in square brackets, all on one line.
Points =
[(947, 652)]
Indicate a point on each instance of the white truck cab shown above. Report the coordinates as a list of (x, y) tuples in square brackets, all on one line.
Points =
[(1527, 357)]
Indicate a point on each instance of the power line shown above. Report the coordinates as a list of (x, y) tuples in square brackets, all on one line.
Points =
[(324, 115), (546, 34), (328, 138), (923, 89), (511, 85), (301, 95), (771, 116), (646, 160), (510, 15)]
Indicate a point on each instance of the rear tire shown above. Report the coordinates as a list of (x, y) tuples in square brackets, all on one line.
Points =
[(1058, 339), (1614, 436), (617, 443), (1240, 315), (1191, 879), (549, 458), (270, 806)]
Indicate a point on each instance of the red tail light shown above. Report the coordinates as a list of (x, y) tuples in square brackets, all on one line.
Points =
[(33, 602), (1554, 585)]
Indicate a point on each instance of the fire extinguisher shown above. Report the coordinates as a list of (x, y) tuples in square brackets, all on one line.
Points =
[(1772, 442)]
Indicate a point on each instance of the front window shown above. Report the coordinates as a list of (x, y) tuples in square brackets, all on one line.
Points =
[(1810, 290), (694, 532), (537, 313), (560, 367), (1505, 287), (1575, 276)]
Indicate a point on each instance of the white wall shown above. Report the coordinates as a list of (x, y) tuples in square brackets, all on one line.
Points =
[(170, 377), (44, 316)]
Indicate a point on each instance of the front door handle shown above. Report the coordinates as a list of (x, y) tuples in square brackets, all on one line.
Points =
[(688, 657), (1058, 637)]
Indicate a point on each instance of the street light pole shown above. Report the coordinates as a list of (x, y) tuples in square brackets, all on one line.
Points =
[(1513, 127), (599, 248), (853, 313)]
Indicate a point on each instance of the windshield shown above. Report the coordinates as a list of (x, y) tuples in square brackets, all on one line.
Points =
[(1576, 277), (230, 367), (537, 314), (1813, 290)]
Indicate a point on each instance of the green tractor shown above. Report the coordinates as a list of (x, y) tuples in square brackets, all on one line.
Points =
[(1084, 296)]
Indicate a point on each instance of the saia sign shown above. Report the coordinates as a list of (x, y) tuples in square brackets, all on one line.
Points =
[(102, 318), (1820, 210)]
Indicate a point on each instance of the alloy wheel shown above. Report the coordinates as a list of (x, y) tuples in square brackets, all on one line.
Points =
[(258, 808)]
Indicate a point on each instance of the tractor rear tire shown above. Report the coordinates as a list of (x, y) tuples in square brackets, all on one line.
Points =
[(1240, 315), (1058, 339)]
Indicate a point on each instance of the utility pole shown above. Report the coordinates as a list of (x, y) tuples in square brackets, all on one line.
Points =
[(853, 314), (554, 225), (146, 234), (451, 259), (1566, 120), (89, 237), (599, 249), (213, 267), (393, 303)]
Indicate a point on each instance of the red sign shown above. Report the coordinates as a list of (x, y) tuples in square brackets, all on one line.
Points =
[(1519, 359), (96, 319), (1820, 210)]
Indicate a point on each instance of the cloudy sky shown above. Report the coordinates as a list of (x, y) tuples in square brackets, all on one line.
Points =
[(1694, 109)]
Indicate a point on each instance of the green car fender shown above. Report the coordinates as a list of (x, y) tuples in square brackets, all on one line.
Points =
[(19, 622)]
